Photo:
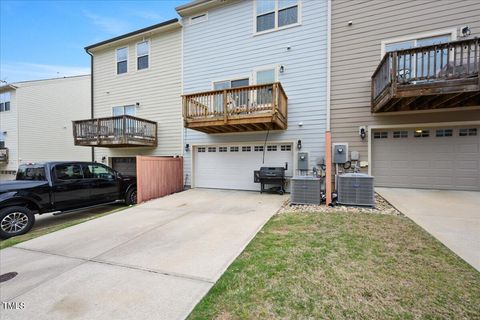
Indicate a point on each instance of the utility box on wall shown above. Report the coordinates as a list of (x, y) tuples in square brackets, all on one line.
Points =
[(302, 161), (340, 152)]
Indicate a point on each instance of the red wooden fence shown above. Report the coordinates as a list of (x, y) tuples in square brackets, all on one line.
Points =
[(158, 177)]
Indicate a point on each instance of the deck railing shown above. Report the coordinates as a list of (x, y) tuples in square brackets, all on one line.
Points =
[(235, 103), (122, 130), (427, 64)]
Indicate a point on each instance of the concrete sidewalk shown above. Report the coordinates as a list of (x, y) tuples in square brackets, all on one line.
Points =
[(153, 261), (453, 217)]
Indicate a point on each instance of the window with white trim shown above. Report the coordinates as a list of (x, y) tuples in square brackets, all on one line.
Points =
[(258, 148), (212, 149), (400, 134), (444, 132), (122, 60), (222, 149), (246, 149), (286, 147), (4, 101), (421, 133), (380, 135), (464, 132), (201, 149), (275, 14), (128, 110), (234, 149), (271, 148), (143, 51)]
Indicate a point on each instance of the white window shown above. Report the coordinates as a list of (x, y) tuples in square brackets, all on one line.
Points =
[(129, 110), (199, 18), (444, 132), (266, 76), (246, 149), (122, 60), (201, 149), (380, 135), (421, 133), (143, 50), (212, 149), (222, 149), (286, 147), (233, 149), (4, 101), (258, 148), (271, 148), (400, 134), (464, 132), (2, 140), (275, 14)]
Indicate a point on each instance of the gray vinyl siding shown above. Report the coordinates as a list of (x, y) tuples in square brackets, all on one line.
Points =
[(356, 52), (157, 90), (9, 124), (225, 46), (46, 109)]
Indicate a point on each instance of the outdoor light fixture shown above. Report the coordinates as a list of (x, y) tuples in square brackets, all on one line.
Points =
[(466, 31), (187, 147), (137, 104), (299, 144), (282, 69), (363, 133), (104, 159)]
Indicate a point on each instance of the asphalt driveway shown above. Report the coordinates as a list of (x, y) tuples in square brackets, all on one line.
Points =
[(153, 261), (453, 217)]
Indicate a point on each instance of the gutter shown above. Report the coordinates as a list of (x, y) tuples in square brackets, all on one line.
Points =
[(91, 94)]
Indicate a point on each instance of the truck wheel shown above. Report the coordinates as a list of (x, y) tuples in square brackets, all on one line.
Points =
[(15, 221), (131, 197)]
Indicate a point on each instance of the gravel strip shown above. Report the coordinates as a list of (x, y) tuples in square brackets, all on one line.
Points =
[(381, 207)]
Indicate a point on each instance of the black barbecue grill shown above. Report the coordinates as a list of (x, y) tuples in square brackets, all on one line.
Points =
[(271, 176)]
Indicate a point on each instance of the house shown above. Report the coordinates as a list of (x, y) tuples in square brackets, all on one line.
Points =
[(35, 121), (136, 97), (254, 89), (405, 90)]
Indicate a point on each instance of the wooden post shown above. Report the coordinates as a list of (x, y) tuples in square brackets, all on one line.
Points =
[(225, 108), (393, 74), (274, 98)]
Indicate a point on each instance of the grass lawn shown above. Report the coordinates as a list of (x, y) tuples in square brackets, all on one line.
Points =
[(48, 224), (344, 266)]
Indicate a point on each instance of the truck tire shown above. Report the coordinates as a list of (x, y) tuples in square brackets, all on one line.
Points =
[(15, 221), (131, 197)]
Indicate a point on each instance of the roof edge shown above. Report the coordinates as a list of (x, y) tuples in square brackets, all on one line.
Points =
[(133, 33)]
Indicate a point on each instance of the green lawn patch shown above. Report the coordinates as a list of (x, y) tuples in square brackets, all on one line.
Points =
[(56, 223), (344, 266)]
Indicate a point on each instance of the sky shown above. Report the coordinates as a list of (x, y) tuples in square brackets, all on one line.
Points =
[(46, 39)]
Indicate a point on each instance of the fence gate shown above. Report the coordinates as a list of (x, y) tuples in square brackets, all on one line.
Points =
[(158, 177)]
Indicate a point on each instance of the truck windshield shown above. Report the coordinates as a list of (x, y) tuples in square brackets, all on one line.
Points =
[(31, 173)]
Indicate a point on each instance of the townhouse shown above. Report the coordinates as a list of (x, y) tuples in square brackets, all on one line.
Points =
[(405, 91), (35, 121), (254, 88), (136, 97)]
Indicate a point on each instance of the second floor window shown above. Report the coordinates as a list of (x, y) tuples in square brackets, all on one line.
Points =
[(274, 14), (5, 102), (122, 60), (142, 55), (124, 110)]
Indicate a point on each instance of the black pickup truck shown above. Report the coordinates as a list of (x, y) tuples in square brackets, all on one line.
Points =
[(59, 187)]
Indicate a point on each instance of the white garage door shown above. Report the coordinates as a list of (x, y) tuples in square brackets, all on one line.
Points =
[(232, 166), (431, 158)]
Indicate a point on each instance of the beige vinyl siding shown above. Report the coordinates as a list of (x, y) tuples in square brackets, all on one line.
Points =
[(46, 109), (157, 90), (356, 52), (8, 124)]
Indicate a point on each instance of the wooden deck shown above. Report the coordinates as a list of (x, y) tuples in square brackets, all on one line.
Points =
[(250, 108), (115, 132), (431, 77)]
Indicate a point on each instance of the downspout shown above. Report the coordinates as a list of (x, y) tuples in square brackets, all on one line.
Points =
[(91, 95), (328, 136)]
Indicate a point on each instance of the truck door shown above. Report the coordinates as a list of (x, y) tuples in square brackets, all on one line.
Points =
[(103, 182), (70, 189)]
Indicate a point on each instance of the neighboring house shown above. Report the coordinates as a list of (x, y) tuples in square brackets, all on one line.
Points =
[(35, 121), (136, 97), (421, 110), (254, 89)]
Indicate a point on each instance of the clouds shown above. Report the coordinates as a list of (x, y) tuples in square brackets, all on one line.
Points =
[(109, 25), (22, 71)]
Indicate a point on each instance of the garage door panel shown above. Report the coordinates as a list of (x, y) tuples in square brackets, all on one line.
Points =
[(436, 162), (234, 168)]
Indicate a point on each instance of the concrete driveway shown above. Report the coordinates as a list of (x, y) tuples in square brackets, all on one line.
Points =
[(153, 261), (453, 217)]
